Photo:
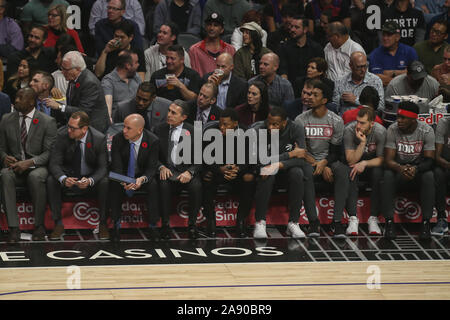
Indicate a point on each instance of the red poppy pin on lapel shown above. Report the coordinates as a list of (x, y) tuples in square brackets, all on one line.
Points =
[(213, 117), (88, 145), (157, 114), (77, 85), (35, 121), (188, 133), (144, 145)]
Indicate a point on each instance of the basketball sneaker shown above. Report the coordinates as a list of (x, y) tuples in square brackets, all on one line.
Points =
[(374, 229), (260, 230), (352, 229), (440, 228), (294, 230)]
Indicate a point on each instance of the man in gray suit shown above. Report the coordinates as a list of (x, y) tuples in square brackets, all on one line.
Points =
[(84, 92), (154, 109), (26, 137)]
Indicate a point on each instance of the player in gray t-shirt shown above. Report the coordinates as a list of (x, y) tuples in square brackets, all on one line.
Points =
[(323, 133), (409, 156), (364, 141), (442, 174)]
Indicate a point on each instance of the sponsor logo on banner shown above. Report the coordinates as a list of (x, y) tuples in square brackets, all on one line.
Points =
[(409, 209), (83, 211), (183, 211)]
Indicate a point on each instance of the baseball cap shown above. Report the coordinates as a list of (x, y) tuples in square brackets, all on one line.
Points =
[(390, 27), (252, 26), (214, 17), (416, 70)]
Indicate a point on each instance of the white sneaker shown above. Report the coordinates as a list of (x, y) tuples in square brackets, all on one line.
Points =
[(260, 230), (352, 229), (374, 229), (294, 230)]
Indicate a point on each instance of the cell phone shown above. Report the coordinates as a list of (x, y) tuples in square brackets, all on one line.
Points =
[(117, 43)]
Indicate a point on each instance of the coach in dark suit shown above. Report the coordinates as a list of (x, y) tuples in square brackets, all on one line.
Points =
[(26, 137), (175, 172), (147, 104), (78, 162), (84, 92), (134, 154), (204, 108), (232, 90)]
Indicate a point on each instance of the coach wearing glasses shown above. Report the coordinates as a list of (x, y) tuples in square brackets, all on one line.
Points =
[(78, 164), (348, 88)]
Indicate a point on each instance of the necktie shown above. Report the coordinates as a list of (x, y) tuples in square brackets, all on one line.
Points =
[(131, 167), (171, 145), (23, 134), (69, 92), (77, 160)]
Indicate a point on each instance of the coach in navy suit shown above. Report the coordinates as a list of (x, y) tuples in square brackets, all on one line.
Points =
[(134, 153), (204, 108), (78, 163), (84, 92)]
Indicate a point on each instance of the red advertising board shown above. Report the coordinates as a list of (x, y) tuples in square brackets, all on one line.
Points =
[(85, 214)]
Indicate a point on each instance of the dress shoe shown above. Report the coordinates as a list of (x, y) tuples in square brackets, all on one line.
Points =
[(389, 230), (103, 232), (165, 233), (153, 234), (14, 235), (192, 232), (425, 231), (115, 235), (211, 228), (57, 233), (240, 229), (39, 234)]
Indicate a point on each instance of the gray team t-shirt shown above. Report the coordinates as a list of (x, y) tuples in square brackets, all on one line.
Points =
[(410, 147), (375, 141), (443, 136), (321, 132)]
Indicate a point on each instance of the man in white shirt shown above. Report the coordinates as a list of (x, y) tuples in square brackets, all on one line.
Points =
[(338, 50)]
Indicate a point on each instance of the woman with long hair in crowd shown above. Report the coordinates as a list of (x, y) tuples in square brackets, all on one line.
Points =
[(257, 106), (57, 26), (246, 59), (21, 78), (315, 69)]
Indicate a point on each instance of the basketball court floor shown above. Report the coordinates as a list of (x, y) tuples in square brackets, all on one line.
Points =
[(227, 268)]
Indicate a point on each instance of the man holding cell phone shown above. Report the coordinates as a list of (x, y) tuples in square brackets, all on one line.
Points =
[(78, 164)]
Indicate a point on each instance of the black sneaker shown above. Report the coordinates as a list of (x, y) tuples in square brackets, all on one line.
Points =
[(192, 232), (425, 231), (240, 229), (389, 230), (211, 227), (339, 231), (153, 234), (313, 229), (165, 233)]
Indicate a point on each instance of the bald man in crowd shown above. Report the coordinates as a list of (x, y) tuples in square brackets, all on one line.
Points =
[(134, 154), (280, 89), (348, 88), (232, 89)]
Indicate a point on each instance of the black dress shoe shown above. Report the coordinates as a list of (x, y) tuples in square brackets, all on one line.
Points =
[(211, 228), (39, 234), (14, 236), (425, 231), (192, 232), (115, 235), (389, 230), (153, 234), (165, 233), (240, 229)]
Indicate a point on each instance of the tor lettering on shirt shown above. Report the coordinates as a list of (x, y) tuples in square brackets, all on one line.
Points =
[(410, 147), (321, 131)]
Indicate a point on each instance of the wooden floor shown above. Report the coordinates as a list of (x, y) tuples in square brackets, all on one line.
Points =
[(274, 281)]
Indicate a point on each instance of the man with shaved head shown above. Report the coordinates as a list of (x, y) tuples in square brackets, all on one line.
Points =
[(134, 153), (280, 89), (26, 137), (348, 88), (78, 164), (232, 89)]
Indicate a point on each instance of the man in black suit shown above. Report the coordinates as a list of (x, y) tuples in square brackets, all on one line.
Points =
[(232, 90), (84, 92), (236, 174), (204, 108), (78, 163), (134, 154), (147, 104), (176, 172)]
